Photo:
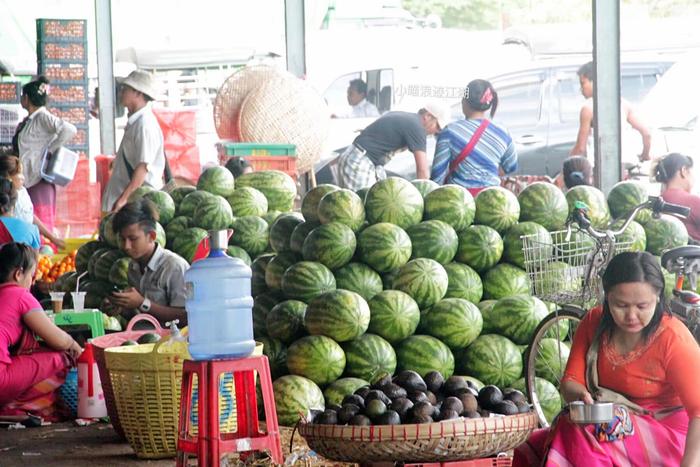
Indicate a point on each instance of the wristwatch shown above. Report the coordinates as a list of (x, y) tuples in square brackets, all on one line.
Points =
[(145, 307)]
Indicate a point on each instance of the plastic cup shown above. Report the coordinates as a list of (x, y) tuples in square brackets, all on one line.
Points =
[(78, 301), (57, 301)]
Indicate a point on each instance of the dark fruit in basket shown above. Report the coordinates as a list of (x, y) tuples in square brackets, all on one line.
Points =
[(382, 381), (471, 414), (410, 381), (423, 408), (471, 384), (401, 406), (375, 408), (432, 398), (454, 384), (388, 418), (393, 391), (489, 396), (514, 395), (469, 402), (421, 419), (484, 413), (346, 413), (328, 417), (378, 395), (334, 407), (130, 342), (148, 338), (523, 407), (363, 391), (434, 380), (417, 396), (448, 414), (360, 420), (506, 407), (313, 413), (452, 403), (354, 399)]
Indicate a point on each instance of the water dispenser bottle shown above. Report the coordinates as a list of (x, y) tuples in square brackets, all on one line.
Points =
[(219, 306)]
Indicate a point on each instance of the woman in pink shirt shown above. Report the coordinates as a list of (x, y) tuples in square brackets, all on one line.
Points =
[(30, 372), (675, 171)]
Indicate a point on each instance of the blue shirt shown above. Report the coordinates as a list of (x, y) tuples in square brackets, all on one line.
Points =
[(22, 232), (494, 149)]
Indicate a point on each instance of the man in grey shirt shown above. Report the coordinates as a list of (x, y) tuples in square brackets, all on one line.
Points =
[(156, 275)]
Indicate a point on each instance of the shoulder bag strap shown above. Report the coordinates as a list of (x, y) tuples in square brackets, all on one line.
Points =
[(468, 148)]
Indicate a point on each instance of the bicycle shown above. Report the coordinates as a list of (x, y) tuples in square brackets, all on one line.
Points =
[(567, 271)]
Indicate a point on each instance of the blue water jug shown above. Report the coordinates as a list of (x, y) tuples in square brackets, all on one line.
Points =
[(219, 306)]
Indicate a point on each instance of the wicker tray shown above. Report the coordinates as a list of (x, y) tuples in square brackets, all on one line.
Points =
[(461, 439)]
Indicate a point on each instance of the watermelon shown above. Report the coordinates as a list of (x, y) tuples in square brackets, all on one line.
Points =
[(247, 201), (138, 193), (306, 280), (545, 204), (309, 205), (279, 188), (178, 193), (634, 235), (547, 393), (570, 250), (240, 253), (480, 247), (85, 252), (318, 358), (452, 204), (362, 193), (423, 354), (434, 239), (337, 390), (359, 278), (262, 305), (299, 234), (369, 357), (213, 213), (295, 395), (486, 307), (551, 359), (594, 199), (394, 315), (339, 314), (187, 242), (259, 268), (516, 317), (277, 266), (388, 279), (505, 280), (384, 246), (164, 204), (96, 292), (331, 244), (175, 227), (161, 238), (665, 233), (627, 195), (425, 186), (342, 206), (463, 282), (394, 200), (492, 359), (455, 321), (539, 244), (271, 216), (276, 353), (95, 258), (216, 180), (497, 208), (560, 277), (281, 231), (250, 233), (118, 272), (107, 233), (190, 202), (105, 262), (424, 280)]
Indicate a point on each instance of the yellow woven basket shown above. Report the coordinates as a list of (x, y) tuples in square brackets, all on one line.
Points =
[(147, 381)]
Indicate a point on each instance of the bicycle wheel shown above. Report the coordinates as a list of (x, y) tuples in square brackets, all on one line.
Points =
[(545, 359)]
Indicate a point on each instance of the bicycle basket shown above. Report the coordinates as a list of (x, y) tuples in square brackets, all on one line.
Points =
[(561, 266)]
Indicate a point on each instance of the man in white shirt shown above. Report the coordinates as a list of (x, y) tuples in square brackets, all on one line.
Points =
[(360, 107), (140, 159)]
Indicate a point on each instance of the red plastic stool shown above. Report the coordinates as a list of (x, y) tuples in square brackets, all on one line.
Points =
[(209, 443)]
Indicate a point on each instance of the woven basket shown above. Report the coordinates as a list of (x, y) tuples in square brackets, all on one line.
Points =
[(287, 111), (231, 94), (461, 439)]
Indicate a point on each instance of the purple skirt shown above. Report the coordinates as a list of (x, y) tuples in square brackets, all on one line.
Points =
[(43, 196)]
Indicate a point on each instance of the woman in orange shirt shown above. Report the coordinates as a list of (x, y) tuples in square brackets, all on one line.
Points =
[(630, 351)]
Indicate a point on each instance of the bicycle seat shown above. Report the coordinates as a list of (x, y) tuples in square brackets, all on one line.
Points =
[(688, 253)]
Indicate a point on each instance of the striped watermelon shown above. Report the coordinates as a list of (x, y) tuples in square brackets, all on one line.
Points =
[(665, 233), (175, 227), (540, 246), (190, 202), (107, 233), (187, 242), (279, 188), (455, 321), (598, 211), (309, 205), (486, 307), (505, 280), (138, 193), (330, 244), (480, 247), (369, 357), (296, 395), (276, 353), (545, 204), (339, 314), (164, 205), (94, 258), (463, 282), (359, 278), (362, 193), (625, 196), (434, 239), (104, 264), (425, 186), (307, 280), (394, 200), (424, 280), (277, 266), (337, 390), (548, 395), (262, 305), (118, 272), (634, 235), (299, 234), (250, 233), (216, 180), (179, 193), (160, 236), (492, 359), (257, 282), (238, 252), (85, 252), (423, 354), (271, 216), (318, 358), (452, 204), (388, 279), (551, 359), (497, 208), (213, 214), (384, 246), (342, 206), (516, 317), (281, 231), (247, 201), (394, 315)]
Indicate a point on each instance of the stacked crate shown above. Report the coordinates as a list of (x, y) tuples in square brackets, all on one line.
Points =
[(10, 110)]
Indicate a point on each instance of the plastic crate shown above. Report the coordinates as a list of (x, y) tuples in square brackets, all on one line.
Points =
[(59, 52), (69, 391), (10, 92), (68, 94), (64, 73), (61, 30), (81, 138), (72, 244), (259, 149), (71, 113), (103, 168), (286, 164)]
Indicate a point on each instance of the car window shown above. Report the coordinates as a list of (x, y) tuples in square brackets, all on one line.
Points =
[(336, 94), (635, 86), (386, 91), (568, 90), (519, 104)]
